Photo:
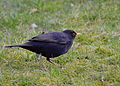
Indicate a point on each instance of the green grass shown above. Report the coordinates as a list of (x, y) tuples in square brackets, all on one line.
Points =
[(93, 60)]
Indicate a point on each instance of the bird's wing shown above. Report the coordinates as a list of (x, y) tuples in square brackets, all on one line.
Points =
[(53, 37)]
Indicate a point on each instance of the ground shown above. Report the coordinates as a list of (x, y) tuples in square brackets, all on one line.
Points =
[(93, 60)]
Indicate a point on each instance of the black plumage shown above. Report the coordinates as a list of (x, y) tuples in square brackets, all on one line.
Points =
[(50, 44)]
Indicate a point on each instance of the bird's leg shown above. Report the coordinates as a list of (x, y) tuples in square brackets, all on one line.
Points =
[(39, 57), (48, 59)]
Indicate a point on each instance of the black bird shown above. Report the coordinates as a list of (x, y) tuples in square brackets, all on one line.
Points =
[(50, 44)]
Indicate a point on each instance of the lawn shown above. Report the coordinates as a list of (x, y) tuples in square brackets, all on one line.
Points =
[(93, 60)]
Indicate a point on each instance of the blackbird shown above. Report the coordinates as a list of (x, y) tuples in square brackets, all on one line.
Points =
[(50, 44)]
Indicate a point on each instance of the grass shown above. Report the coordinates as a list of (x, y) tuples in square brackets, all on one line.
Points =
[(93, 60)]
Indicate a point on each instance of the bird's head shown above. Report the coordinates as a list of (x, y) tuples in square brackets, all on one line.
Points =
[(72, 33)]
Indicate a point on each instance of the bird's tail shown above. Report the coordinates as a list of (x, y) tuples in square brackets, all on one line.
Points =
[(10, 46)]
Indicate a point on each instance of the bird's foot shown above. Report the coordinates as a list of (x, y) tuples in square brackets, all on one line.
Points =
[(53, 62)]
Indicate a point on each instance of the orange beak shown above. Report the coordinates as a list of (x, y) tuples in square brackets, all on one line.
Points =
[(77, 34)]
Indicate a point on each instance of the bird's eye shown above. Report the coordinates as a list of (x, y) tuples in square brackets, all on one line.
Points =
[(73, 34)]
